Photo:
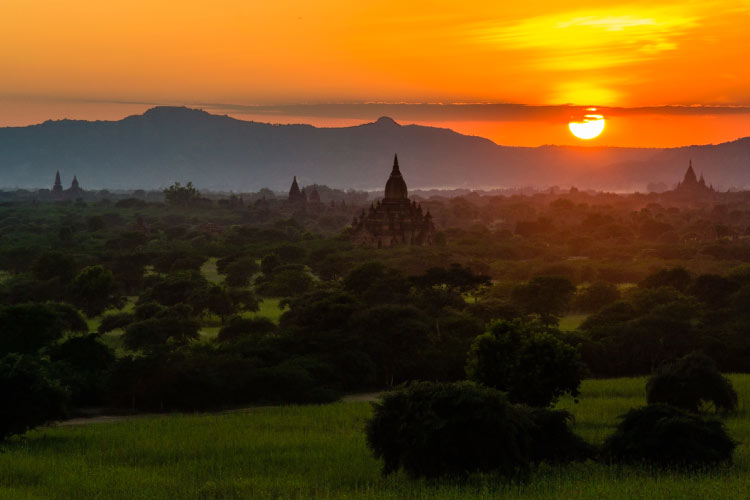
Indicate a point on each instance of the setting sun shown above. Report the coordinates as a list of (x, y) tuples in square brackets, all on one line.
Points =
[(589, 127)]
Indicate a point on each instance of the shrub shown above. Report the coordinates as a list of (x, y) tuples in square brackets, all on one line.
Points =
[(663, 435), (689, 382), (526, 361), (31, 397), (552, 439), (436, 429)]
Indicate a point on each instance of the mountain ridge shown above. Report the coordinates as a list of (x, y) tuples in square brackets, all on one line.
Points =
[(167, 144)]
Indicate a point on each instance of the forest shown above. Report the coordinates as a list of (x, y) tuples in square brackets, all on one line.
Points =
[(185, 302)]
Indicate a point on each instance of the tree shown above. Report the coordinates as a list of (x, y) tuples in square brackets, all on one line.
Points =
[(286, 283), (690, 382), (239, 272), (93, 290), (268, 263), (678, 278), (81, 363), (395, 336), (181, 196), (52, 265), (436, 429), (26, 328), (170, 326), (184, 287), (455, 277), (114, 321), (219, 301), (375, 283), (31, 396), (525, 360), (596, 296), (714, 290), (547, 296), (666, 436), (238, 328)]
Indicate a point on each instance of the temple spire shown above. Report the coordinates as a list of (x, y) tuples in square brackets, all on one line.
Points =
[(690, 178), (395, 163), (57, 188)]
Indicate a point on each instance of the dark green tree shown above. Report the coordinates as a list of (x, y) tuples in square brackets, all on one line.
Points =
[(666, 436), (596, 296), (32, 397), (27, 328), (436, 429), (52, 265), (395, 336), (689, 383), (93, 290), (546, 296), (239, 328), (181, 196), (82, 363), (678, 278), (525, 360)]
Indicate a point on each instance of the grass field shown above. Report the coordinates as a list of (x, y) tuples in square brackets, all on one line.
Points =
[(297, 452), (571, 322)]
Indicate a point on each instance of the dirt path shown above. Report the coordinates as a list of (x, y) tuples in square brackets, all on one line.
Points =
[(108, 419)]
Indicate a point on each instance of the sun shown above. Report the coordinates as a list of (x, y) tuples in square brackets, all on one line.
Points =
[(588, 128)]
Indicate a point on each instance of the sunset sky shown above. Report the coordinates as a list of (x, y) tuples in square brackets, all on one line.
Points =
[(662, 73)]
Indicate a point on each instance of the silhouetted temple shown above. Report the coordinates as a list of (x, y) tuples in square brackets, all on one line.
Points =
[(314, 196), (393, 220), (296, 197), (57, 187), (691, 186), (74, 191)]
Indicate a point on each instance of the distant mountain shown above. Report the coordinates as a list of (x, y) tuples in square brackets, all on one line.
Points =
[(168, 144)]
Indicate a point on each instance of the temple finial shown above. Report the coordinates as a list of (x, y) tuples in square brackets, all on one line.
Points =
[(395, 162)]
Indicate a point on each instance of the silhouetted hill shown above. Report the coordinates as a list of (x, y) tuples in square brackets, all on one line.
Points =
[(218, 152)]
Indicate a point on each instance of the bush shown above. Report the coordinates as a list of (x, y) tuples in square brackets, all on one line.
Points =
[(690, 382), (666, 436), (553, 441), (437, 429), (31, 397), (527, 361)]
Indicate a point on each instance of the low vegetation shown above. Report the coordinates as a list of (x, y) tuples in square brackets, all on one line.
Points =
[(302, 452)]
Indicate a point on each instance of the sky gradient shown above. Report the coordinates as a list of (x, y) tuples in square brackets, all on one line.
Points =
[(670, 73)]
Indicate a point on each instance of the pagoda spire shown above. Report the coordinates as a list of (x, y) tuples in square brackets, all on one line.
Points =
[(57, 188), (395, 163), (690, 178)]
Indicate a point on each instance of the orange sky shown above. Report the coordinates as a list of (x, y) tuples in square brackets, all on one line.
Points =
[(105, 60)]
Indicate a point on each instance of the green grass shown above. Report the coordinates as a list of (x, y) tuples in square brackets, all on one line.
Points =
[(208, 270), (571, 322), (269, 308), (296, 452)]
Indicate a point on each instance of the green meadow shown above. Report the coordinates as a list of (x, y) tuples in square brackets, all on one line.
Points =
[(302, 452)]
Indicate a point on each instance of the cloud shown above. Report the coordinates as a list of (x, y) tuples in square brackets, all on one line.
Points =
[(447, 112), (589, 39)]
